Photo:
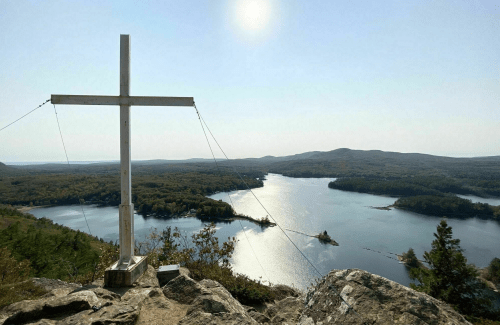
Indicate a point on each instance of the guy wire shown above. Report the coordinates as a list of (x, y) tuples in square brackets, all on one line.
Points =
[(232, 205), (303, 255), (45, 102), (66, 153)]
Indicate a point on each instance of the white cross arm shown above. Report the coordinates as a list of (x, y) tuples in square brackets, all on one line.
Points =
[(121, 100)]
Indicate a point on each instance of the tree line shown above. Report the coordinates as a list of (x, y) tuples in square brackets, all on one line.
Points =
[(450, 206), (164, 194), (429, 195), (418, 185)]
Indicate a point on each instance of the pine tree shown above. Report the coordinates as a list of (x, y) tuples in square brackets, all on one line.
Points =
[(449, 277), (410, 259)]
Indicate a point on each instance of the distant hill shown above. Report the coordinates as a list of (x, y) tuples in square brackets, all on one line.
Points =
[(341, 162), (6, 170), (375, 163)]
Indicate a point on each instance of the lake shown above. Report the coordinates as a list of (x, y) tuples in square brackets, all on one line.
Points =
[(368, 237)]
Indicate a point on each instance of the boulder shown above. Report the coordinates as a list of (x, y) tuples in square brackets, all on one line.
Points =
[(282, 291), (374, 300), (210, 302), (232, 305), (157, 309), (184, 301), (183, 289), (31, 311), (148, 279), (285, 311), (213, 298), (259, 317)]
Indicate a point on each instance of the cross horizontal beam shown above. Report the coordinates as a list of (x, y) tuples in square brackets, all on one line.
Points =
[(121, 100)]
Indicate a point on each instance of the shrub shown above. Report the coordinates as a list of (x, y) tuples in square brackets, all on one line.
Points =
[(206, 259), (14, 285)]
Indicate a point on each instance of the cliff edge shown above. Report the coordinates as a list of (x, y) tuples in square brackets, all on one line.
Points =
[(184, 301)]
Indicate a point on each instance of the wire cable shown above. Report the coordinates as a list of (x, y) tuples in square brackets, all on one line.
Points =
[(241, 225), (303, 255), (67, 159), (48, 100)]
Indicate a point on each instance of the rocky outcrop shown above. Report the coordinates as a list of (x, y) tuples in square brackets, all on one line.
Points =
[(184, 301), (374, 300)]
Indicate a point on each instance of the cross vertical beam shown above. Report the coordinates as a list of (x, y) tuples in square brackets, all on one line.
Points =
[(126, 214), (129, 267)]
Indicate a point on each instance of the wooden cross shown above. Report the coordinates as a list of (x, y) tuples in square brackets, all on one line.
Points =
[(126, 214)]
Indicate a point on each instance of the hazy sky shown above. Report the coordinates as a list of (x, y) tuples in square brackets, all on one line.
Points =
[(269, 77)]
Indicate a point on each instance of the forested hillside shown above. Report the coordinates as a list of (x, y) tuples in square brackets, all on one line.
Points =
[(418, 185), (163, 194), (448, 206), (170, 188), (51, 250)]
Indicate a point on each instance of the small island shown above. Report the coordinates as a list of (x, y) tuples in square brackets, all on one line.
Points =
[(324, 238)]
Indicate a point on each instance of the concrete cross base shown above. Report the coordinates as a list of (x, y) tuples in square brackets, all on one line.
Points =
[(124, 275)]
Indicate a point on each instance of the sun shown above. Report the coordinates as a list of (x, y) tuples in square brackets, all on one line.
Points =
[(253, 15)]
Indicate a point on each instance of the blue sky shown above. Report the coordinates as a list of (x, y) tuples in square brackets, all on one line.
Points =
[(270, 78)]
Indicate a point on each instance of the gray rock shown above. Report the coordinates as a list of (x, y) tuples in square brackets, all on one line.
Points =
[(100, 292), (215, 299), (287, 310), (259, 317), (201, 318), (148, 279), (375, 300), (217, 289), (183, 289), (184, 271), (31, 311), (282, 291), (51, 284), (125, 311)]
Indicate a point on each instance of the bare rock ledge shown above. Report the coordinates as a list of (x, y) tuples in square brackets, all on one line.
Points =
[(183, 301)]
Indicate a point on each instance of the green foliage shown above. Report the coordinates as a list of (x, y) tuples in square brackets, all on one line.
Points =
[(14, 292), (449, 277), (450, 206), (206, 258), (12, 271), (396, 187), (167, 194), (429, 195), (53, 251), (411, 259), (493, 271), (14, 283), (417, 185)]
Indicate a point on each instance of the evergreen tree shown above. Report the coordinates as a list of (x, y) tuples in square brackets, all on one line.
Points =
[(494, 270), (410, 258), (449, 277)]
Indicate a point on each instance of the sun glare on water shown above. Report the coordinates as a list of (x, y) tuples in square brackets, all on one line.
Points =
[(253, 15)]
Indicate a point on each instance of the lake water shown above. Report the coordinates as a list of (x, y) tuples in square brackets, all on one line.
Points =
[(368, 237)]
